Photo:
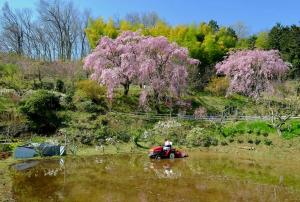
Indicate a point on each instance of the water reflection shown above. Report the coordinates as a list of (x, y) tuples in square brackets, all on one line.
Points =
[(165, 169), (25, 165), (136, 178)]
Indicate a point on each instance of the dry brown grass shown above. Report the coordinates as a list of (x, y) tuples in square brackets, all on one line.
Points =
[(5, 182)]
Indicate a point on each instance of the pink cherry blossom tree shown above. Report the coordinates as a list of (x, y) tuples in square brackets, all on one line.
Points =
[(115, 61), (163, 69), (153, 62), (252, 71)]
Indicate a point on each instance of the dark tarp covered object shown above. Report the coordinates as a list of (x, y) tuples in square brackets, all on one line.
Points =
[(44, 149)]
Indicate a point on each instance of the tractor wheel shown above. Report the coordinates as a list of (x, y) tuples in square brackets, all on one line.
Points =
[(172, 156), (157, 157)]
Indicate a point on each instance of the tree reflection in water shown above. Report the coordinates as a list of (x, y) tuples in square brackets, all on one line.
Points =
[(134, 177)]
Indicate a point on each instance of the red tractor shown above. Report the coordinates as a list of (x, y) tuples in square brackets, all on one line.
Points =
[(159, 152)]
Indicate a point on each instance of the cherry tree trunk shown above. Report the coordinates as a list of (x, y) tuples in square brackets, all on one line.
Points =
[(126, 88)]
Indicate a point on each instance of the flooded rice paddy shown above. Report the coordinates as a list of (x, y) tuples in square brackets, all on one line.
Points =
[(134, 177)]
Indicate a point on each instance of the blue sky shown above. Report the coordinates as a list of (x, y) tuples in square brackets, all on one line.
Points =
[(258, 15)]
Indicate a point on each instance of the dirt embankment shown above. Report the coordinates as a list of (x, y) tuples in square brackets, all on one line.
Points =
[(5, 181)]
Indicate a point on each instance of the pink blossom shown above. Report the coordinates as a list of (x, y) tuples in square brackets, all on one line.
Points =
[(164, 66), (154, 62), (252, 71), (119, 56)]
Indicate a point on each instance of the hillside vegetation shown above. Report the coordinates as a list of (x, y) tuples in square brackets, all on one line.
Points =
[(140, 79), (78, 108)]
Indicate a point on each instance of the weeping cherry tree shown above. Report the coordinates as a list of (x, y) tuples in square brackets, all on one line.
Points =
[(252, 72), (153, 62)]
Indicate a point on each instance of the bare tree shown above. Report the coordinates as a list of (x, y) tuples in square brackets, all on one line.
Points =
[(84, 45), (25, 18), (12, 30), (66, 27), (51, 16), (241, 29), (150, 19), (282, 104), (58, 32), (147, 19), (133, 18)]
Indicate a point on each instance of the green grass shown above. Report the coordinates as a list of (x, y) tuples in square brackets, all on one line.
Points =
[(218, 104), (123, 103), (291, 129), (213, 104), (248, 127)]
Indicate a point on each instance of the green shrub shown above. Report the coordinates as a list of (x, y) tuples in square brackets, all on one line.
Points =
[(198, 137), (209, 140), (257, 141), (258, 132), (194, 136), (123, 136), (90, 90), (67, 101), (6, 148), (87, 140), (268, 142), (60, 86), (40, 109), (5, 104), (69, 98), (218, 86), (250, 141), (11, 77), (48, 85), (229, 131), (101, 134), (231, 140), (87, 106), (240, 141), (90, 97), (224, 143)]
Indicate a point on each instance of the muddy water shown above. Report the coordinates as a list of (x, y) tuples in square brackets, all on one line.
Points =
[(201, 177)]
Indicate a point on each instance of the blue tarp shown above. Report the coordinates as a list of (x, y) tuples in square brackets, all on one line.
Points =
[(25, 152)]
